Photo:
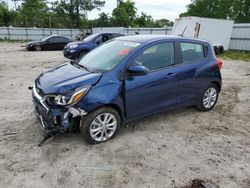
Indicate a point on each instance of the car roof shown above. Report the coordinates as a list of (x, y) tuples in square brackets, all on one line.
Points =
[(109, 33), (151, 38), (58, 36)]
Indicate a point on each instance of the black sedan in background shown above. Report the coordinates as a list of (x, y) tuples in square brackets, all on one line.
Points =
[(53, 42)]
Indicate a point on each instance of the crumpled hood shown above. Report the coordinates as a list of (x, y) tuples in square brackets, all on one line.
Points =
[(65, 77)]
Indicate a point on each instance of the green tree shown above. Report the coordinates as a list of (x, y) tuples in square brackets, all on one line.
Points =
[(238, 10), (73, 11), (103, 20), (163, 23), (143, 20), (124, 14), (5, 15), (15, 3), (33, 13)]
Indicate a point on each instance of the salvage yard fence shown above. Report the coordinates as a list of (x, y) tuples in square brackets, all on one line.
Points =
[(20, 33), (240, 39), (145, 31)]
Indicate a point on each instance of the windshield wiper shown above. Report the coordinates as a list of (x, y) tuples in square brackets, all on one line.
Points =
[(87, 69), (76, 63)]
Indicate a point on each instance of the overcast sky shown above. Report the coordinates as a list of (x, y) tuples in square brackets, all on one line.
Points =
[(169, 9)]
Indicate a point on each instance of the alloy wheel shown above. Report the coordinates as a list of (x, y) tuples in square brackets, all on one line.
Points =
[(38, 48), (103, 127), (210, 97)]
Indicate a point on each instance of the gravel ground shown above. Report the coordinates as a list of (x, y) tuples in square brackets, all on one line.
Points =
[(167, 150)]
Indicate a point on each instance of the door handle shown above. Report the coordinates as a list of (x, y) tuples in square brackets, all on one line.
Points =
[(171, 74)]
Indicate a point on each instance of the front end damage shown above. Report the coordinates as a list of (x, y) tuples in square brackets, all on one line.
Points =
[(54, 119)]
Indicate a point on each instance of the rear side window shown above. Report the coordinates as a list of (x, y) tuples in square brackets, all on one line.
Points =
[(192, 52), (157, 56)]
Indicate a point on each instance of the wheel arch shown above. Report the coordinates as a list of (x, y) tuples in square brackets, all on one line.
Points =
[(115, 107), (217, 84)]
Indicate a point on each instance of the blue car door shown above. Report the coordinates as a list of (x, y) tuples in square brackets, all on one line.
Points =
[(157, 90), (193, 59)]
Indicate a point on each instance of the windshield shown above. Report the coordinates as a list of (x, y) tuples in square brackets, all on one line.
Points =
[(90, 37), (108, 55), (46, 38)]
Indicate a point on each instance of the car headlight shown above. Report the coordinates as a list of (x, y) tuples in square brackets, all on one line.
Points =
[(73, 46), (71, 98)]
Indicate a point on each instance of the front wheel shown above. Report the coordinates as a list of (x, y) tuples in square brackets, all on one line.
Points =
[(38, 48), (100, 125), (208, 98)]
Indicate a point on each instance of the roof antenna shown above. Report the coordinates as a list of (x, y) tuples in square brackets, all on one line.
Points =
[(182, 35)]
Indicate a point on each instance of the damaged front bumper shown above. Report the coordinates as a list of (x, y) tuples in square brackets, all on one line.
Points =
[(54, 120)]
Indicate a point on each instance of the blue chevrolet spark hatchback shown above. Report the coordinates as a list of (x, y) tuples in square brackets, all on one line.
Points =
[(125, 79)]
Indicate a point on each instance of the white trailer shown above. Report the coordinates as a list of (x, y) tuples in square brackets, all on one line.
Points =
[(217, 31)]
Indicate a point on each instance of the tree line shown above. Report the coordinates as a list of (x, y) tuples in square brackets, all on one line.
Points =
[(73, 14), (237, 10)]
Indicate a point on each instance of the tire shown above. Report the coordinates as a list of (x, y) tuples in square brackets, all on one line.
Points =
[(93, 127), (216, 50), (207, 105), (221, 50), (38, 48), (81, 54)]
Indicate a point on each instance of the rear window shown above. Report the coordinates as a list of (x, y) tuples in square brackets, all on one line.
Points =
[(192, 52)]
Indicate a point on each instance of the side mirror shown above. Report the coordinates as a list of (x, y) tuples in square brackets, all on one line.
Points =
[(137, 70)]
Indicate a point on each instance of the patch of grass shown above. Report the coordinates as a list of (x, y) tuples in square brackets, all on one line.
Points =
[(236, 55)]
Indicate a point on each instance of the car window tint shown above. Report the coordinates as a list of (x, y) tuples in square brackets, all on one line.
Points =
[(53, 39), (105, 37), (192, 52), (157, 56), (62, 39), (99, 39)]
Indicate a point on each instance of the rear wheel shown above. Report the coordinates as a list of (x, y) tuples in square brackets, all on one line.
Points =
[(220, 50), (100, 125), (208, 98)]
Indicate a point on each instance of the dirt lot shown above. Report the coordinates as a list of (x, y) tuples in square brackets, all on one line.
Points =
[(167, 150)]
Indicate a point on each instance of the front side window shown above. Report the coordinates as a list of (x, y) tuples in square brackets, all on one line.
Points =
[(61, 39), (157, 56), (108, 55), (90, 37), (53, 39), (105, 37), (192, 52), (46, 38)]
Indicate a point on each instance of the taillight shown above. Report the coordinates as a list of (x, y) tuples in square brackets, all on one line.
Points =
[(219, 63)]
